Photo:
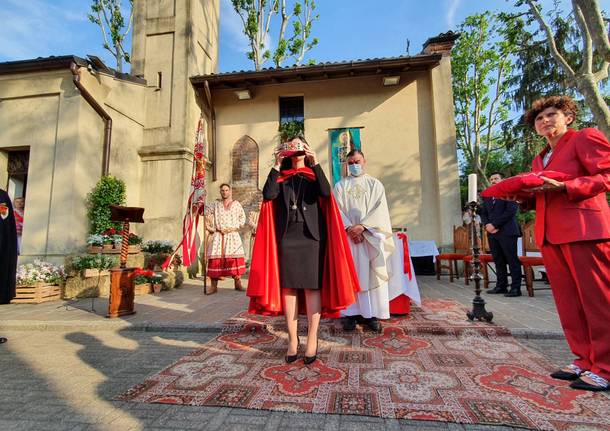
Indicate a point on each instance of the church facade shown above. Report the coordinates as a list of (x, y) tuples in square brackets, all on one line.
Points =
[(68, 120)]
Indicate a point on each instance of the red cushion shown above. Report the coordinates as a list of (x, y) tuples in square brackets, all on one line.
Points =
[(516, 186), (531, 260), (482, 258), (451, 256)]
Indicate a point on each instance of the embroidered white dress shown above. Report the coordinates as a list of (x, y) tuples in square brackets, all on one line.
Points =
[(225, 248)]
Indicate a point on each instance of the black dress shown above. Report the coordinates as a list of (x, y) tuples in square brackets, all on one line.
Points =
[(300, 228), (8, 249)]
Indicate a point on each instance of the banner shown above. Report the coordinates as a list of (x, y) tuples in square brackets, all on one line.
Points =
[(342, 141), (195, 204)]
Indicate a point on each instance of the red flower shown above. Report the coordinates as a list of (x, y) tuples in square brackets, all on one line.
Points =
[(111, 231)]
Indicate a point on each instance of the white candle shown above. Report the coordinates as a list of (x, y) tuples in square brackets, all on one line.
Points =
[(472, 187)]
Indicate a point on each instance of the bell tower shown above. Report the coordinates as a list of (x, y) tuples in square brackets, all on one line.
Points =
[(172, 41)]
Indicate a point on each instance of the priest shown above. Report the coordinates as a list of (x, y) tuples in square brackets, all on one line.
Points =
[(364, 209)]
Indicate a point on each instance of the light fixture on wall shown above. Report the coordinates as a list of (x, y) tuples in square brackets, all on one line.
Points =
[(391, 80), (243, 94)]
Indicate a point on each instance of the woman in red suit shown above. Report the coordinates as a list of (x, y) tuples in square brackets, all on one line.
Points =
[(573, 233)]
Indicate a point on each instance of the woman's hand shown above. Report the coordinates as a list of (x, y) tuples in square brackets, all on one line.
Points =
[(310, 154), (278, 157), (550, 185)]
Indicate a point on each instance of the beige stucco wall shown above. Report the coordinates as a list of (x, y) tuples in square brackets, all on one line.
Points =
[(402, 137), (177, 40), (45, 113)]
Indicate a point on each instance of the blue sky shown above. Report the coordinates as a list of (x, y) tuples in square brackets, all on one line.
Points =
[(347, 29)]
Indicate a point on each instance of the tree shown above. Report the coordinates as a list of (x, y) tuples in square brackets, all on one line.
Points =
[(107, 14), (482, 65), (587, 76), (257, 17)]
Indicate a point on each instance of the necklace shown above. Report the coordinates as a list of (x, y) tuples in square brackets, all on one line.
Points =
[(295, 197)]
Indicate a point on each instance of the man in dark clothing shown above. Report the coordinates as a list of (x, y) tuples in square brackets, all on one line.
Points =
[(8, 251), (499, 219)]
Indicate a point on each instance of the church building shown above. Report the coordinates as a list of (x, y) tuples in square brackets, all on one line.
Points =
[(67, 120)]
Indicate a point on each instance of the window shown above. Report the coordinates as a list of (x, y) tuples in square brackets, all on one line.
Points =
[(291, 109)]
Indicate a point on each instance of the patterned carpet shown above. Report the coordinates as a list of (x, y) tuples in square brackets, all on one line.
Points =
[(432, 365)]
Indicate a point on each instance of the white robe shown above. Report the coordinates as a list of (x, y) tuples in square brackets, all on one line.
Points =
[(362, 200)]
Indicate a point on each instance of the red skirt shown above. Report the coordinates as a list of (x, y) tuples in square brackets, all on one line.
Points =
[(227, 267)]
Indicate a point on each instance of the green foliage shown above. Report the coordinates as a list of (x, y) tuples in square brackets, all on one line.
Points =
[(94, 261), (482, 65), (108, 15), (258, 17), (527, 216), (108, 191), (290, 128), (158, 246)]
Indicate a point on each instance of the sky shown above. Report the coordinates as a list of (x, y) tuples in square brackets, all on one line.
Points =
[(347, 29)]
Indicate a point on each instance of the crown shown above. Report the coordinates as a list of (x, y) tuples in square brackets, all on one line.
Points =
[(292, 148)]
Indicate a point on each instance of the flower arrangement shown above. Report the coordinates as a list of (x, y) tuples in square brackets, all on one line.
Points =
[(134, 239), (95, 240), (40, 272), (158, 246), (94, 261), (142, 276)]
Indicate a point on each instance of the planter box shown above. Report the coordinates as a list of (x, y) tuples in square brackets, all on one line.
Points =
[(142, 289), (95, 249), (94, 272), (133, 249), (35, 294)]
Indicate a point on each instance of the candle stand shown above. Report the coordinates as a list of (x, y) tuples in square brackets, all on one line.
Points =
[(478, 304)]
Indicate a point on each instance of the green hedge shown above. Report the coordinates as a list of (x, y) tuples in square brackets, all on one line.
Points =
[(108, 191)]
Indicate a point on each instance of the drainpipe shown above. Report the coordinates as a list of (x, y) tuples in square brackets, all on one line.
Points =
[(208, 95), (100, 111)]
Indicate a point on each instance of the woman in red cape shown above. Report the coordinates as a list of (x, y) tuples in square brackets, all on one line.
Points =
[(301, 249)]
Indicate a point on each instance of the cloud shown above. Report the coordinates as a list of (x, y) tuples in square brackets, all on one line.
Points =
[(36, 28), (233, 28), (451, 12)]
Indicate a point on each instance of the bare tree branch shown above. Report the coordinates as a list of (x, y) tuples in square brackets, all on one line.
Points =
[(595, 23), (551, 40), (587, 63)]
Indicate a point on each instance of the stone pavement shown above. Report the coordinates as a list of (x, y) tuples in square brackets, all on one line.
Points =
[(187, 309), (64, 365)]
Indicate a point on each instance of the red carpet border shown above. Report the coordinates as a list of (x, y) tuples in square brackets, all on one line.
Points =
[(432, 365)]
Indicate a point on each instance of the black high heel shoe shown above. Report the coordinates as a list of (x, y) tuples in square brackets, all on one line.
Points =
[(311, 359), (291, 358)]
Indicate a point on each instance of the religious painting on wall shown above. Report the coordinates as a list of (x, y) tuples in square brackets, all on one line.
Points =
[(342, 141)]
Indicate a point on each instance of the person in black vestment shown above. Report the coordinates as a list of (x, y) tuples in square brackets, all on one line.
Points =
[(8, 251), (300, 233), (500, 220)]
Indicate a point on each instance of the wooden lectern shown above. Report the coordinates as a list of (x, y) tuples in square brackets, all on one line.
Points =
[(121, 280)]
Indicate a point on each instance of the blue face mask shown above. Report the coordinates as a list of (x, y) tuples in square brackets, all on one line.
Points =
[(355, 170)]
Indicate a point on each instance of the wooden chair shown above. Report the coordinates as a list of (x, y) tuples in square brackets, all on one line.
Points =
[(461, 248), (485, 257), (528, 262)]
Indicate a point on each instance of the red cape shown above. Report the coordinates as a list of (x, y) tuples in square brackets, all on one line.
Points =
[(339, 281)]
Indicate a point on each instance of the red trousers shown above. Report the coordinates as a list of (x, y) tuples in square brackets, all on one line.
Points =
[(579, 273)]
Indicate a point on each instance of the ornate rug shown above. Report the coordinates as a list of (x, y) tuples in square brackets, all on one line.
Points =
[(431, 365)]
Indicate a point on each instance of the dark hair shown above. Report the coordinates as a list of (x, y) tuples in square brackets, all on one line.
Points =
[(225, 184), (354, 152), (496, 173), (564, 103)]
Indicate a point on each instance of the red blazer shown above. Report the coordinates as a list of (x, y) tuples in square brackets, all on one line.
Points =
[(581, 213)]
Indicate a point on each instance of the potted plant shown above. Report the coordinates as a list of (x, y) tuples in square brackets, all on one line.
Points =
[(159, 251), (288, 129), (156, 283), (95, 243), (117, 240), (94, 265), (134, 243), (38, 282), (142, 281), (108, 245)]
